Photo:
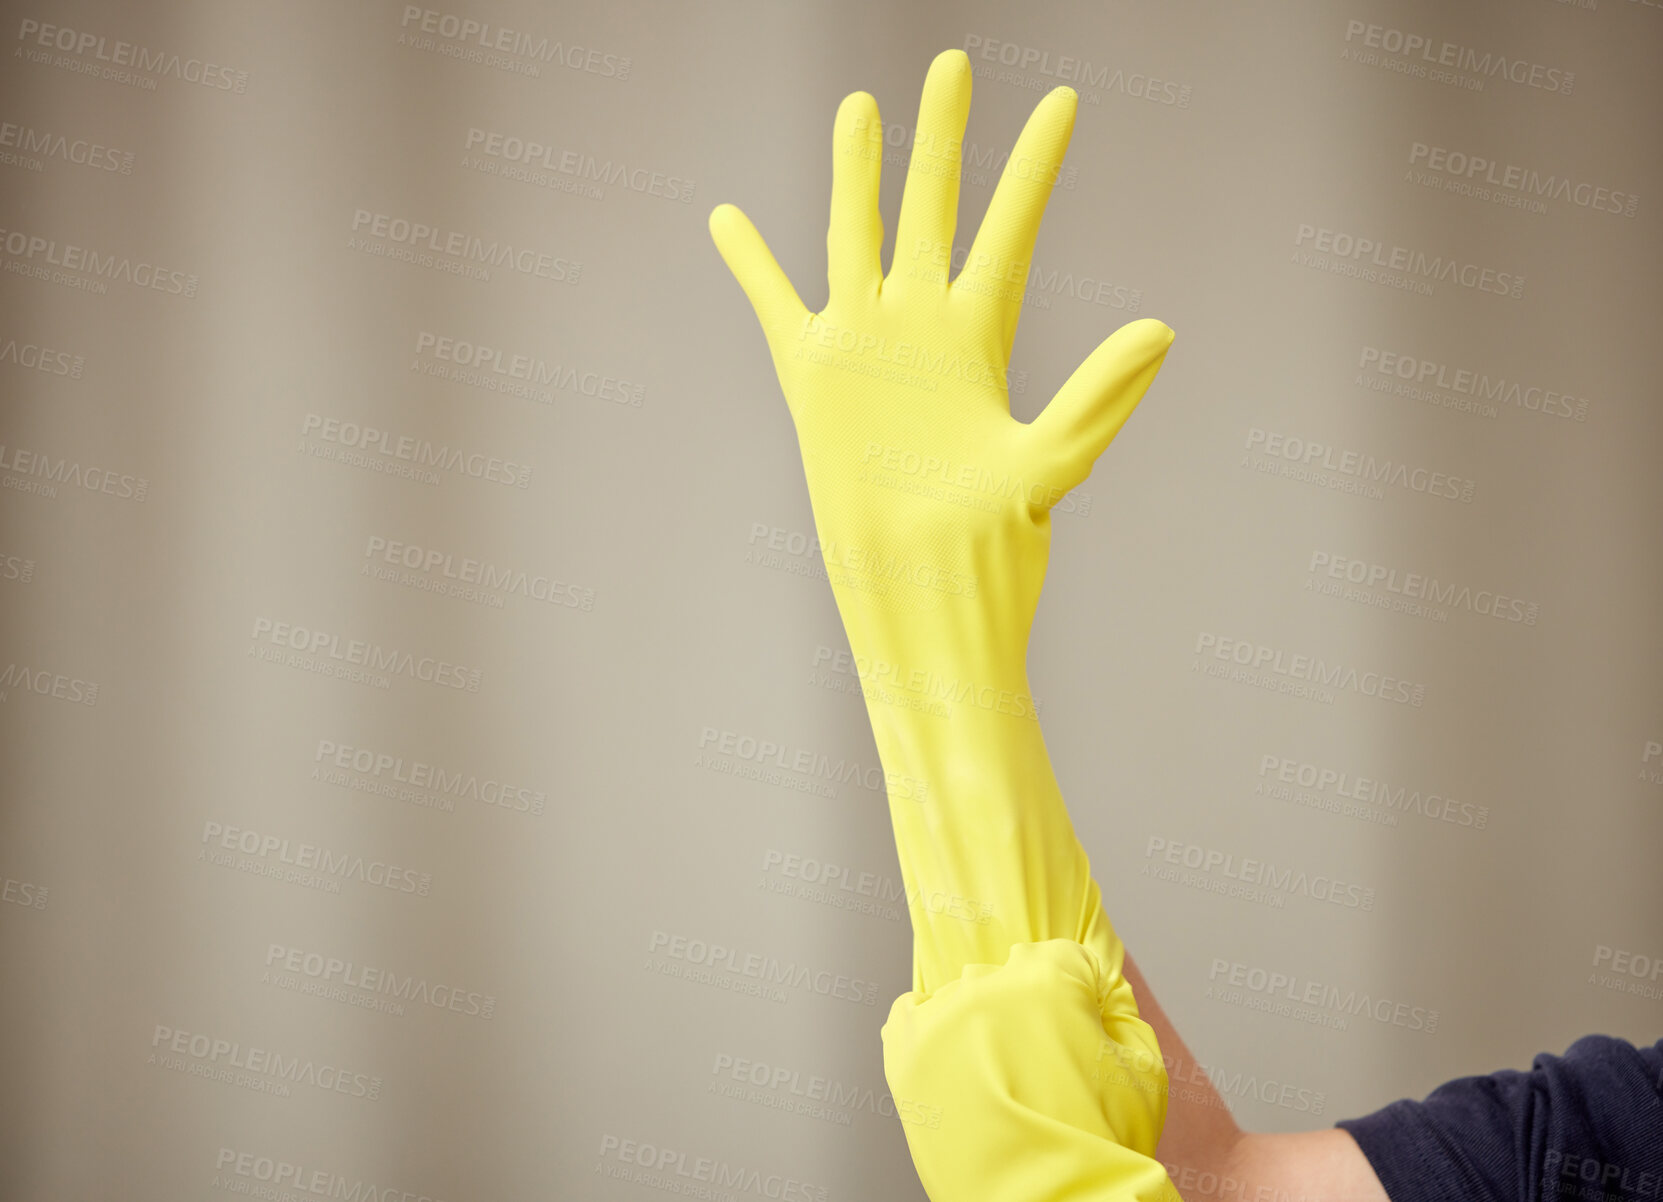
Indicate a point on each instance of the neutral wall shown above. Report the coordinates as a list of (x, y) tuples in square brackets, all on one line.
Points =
[(328, 865)]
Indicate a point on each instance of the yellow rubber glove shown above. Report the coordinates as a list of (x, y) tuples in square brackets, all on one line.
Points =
[(932, 508)]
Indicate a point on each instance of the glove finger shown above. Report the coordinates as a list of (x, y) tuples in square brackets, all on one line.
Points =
[(1088, 411), (854, 240), (1001, 255), (777, 305), (930, 201)]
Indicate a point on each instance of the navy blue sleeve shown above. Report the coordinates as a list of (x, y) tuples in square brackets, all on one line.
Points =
[(1583, 1127)]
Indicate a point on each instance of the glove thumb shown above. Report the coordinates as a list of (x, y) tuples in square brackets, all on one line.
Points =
[(773, 298), (1088, 411)]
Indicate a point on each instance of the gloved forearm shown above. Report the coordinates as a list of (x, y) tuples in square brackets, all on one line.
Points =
[(988, 854), (991, 864)]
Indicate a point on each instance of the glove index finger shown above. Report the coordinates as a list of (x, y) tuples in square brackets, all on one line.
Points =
[(775, 301)]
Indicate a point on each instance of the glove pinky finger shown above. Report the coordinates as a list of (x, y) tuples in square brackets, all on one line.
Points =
[(775, 301)]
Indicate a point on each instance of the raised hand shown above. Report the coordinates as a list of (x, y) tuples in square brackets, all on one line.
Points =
[(898, 387)]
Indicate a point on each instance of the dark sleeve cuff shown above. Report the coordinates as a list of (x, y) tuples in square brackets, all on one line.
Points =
[(1458, 1143), (1527, 1135)]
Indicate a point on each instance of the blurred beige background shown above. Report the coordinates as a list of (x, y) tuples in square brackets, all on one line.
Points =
[(409, 639)]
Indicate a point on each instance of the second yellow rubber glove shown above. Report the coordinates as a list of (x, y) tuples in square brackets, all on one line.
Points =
[(932, 508)]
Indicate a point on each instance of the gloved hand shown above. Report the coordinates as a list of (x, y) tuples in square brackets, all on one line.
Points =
[(1010, 1087), (932, 508)]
